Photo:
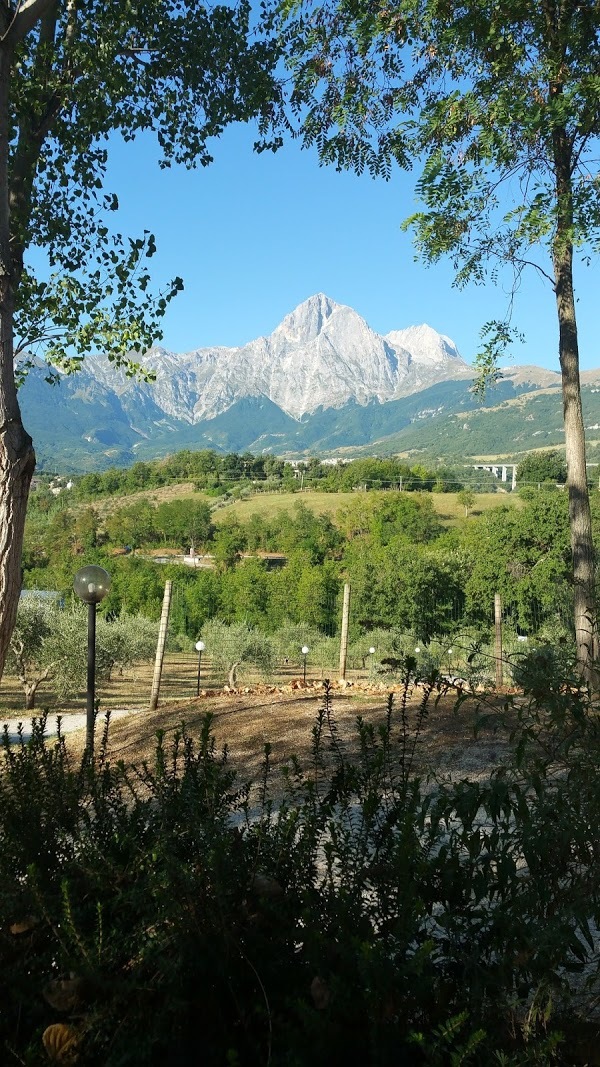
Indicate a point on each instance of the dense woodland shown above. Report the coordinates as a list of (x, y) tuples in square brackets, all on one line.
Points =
[(408, 569)]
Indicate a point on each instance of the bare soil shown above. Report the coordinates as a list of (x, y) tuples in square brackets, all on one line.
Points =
[(282, 713), (244, 721)]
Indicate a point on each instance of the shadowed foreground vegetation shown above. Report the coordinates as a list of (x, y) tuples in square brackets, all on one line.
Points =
[(349, 909)]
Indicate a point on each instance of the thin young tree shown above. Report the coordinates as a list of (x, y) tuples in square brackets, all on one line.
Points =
[(71, 75), (498, 101)]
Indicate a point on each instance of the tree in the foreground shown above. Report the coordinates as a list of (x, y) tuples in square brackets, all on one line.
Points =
[(499, 102), (72, 75)]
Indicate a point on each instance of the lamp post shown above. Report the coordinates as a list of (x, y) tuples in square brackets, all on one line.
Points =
[(200, 646), (305, 651), (371, 654), (91, 585)]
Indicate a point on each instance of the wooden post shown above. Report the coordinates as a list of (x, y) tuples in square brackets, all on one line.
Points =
[(344, 637), (160, 646), (498, 640)]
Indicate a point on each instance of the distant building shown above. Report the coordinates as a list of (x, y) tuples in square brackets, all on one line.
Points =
[(57, 485)]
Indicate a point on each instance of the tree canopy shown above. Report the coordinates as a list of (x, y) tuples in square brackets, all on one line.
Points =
[(71, 77), (498, 102), (542, 467), (182, 71)]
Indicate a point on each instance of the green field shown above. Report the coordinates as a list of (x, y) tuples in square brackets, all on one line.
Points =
[(267, 505), (451, 511)]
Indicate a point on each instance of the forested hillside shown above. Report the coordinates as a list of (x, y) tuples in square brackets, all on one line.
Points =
[(409, 568)]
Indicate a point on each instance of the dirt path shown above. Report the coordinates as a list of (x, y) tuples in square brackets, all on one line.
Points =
[(244, 721)]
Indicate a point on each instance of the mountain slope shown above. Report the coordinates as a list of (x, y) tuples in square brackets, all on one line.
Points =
[(322, 355), (322, 381)]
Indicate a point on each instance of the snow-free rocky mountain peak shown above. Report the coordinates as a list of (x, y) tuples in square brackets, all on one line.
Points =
[(322, 355)]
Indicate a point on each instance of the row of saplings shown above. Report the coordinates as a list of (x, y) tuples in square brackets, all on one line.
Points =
[(49, 645), (347, 911)]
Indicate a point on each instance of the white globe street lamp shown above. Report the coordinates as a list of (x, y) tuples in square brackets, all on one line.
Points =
[(91, 585), (200, 646), (305, 651)]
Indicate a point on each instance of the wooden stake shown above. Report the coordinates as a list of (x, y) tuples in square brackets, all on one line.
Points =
[(344, 637), (160, 646), (498, 641)]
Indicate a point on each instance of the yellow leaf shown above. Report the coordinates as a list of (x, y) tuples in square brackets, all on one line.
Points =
[(60, 1042), (24, 926)]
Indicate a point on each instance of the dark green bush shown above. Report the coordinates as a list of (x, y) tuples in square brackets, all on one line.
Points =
[(350, 912), (540, 669)]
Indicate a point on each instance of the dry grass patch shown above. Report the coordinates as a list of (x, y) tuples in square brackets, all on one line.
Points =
[(244, 721), (164, 494), (131, 688), (269, 505)]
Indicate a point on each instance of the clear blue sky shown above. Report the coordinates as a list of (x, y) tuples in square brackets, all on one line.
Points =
[(254, 235)]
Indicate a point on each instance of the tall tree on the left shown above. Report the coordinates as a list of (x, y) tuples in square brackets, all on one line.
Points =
[(72, 73)]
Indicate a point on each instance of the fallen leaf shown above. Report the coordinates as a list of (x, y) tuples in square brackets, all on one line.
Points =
[(61, 1043), (25, 926)]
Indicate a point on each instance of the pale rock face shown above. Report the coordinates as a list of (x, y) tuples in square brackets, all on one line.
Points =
[(323, 354), (424, 344)]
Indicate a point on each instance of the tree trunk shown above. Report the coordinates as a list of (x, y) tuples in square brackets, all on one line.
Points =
[(17, 459), (582, 545)]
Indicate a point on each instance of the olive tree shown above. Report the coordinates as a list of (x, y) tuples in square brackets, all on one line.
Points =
[(49, 643), (231, 647), (28, 656)]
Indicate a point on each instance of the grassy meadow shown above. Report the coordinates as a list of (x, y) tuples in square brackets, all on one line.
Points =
[(164, 494), (267, 505), (270, 504)]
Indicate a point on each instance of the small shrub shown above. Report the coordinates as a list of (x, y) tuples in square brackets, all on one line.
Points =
[(538, 669)]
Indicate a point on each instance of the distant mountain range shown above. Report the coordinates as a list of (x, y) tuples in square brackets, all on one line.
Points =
[(321, 382)]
